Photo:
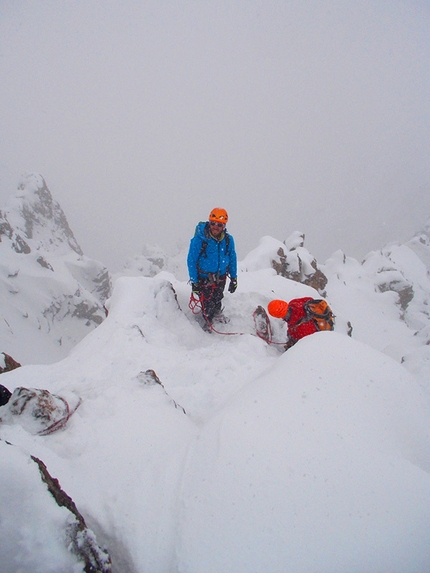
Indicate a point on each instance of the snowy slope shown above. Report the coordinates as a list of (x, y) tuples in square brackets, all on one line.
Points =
[(246, 460), (313, 466), (51, 295), (199, 453)]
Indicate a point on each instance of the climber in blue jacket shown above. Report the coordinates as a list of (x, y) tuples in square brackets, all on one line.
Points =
[(211, 258)]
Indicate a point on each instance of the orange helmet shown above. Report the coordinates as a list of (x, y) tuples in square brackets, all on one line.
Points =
[(218, 215), (278, 308)]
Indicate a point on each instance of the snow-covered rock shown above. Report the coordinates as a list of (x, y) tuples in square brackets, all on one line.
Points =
[(61, 541), (51, 295), (290, 260)]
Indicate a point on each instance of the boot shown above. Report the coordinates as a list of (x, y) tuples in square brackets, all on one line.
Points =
[(221, 318)]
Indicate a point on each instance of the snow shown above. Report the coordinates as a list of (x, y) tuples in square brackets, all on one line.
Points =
[(244, 458), (190, 452), (46, 283), (31, 522)]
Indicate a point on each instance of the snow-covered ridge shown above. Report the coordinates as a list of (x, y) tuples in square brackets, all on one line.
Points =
[(242, 459), (194, 452), (51, 293)]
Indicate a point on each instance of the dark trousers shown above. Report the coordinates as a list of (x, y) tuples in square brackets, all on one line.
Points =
[(211, 295)]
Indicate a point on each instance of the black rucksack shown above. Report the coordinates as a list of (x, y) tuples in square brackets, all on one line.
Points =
[(4, 395)]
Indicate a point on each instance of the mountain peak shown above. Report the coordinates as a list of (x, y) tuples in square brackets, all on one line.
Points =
[(47, 284), (35, 214)]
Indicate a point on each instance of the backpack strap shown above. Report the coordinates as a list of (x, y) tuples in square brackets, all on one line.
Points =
[(320, 313), (201, 254), (227, 242)]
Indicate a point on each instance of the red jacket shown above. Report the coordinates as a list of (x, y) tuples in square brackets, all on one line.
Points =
[(295, 314)]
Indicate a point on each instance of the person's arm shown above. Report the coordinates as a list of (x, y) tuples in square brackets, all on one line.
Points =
[(232, 265), (193, 254)]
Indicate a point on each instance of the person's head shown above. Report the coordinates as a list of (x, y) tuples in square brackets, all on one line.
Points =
[(217, 220), (278, 308)]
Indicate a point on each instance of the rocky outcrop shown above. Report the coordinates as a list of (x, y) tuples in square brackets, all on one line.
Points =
[(150, 378), (103, 285), (297, 264), (7, 363), (392, 271), (400, 286), (82, 541), (17, 243), (39, 208)]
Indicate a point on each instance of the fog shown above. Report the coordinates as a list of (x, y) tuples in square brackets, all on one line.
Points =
[(293, 115)]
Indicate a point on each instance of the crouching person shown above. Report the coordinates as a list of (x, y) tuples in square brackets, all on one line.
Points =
[(303, 316)]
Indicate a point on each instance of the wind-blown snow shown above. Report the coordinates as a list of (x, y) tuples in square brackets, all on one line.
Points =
[(245, 458)]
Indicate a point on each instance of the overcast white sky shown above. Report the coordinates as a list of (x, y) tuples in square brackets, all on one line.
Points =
[(293, 115)]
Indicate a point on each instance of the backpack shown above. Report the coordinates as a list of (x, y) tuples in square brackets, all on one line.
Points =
[(306, 316), (5, 394), (319, 311)]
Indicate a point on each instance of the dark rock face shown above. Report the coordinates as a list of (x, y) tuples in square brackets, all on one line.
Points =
[(88, 313), (7, 363), (404, 290), (18, 244), (43, 263), (103, 285)]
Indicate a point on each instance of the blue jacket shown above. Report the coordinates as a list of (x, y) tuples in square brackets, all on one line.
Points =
[(215, 258)]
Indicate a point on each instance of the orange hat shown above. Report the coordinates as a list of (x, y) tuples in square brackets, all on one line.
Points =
[(218, 215), (278, 308)]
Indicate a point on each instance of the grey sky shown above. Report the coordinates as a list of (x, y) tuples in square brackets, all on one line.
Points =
[(293, 115)]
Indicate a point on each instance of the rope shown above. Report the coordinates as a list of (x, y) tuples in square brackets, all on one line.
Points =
[(62, 421), (195, 303), (224, 333), (268, 336), (196, 306)]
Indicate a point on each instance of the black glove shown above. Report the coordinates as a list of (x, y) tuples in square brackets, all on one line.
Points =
[(195, 289), (232, 286)]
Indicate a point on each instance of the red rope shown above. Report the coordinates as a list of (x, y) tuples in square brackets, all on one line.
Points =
[(62, 421), (196, 306), (195, 303), (266, 337)]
